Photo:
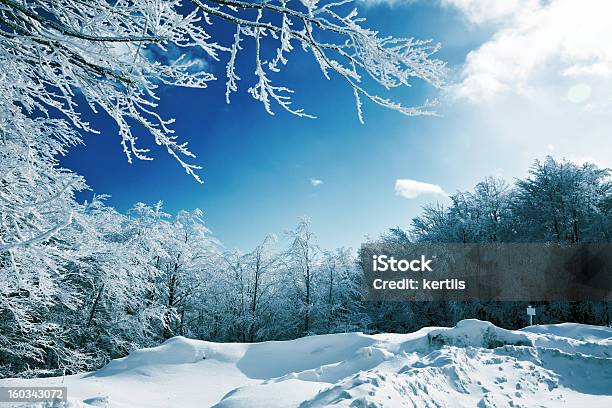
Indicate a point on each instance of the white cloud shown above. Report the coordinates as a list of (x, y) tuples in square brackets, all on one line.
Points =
[(595, 70), (476, 11), (535, 40), (479, 11), (315, 182), (412, 189)]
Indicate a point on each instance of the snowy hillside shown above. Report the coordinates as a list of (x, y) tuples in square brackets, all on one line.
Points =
[(474, 364)]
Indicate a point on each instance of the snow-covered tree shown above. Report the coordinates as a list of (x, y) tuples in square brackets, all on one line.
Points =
[(114, 279), (339, 305), (194, 259), (562, 201), (302, 259), (480, 216), (40, 233), (61, 56), (179, 251), (260, 263)]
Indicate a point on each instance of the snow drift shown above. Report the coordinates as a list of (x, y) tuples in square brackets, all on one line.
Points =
[(474, 364)]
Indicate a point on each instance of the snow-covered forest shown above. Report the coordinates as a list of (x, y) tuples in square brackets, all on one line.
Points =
[(107, 283), (82, 283)]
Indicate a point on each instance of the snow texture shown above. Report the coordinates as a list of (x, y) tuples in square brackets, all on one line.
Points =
[(474, 364)]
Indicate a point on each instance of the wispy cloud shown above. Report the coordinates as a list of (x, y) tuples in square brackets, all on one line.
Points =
[(410, 189), (315, 182)]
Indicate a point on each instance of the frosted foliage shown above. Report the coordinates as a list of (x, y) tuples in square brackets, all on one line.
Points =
[(60, 56), (81, 283)]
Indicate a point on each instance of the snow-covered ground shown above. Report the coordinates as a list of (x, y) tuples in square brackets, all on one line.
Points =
[(474, 364)]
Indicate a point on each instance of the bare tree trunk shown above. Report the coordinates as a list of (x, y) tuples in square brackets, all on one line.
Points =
[(330, 299), (182, 323), (167, 332), (307, 315), (254, 303), (94, 306)]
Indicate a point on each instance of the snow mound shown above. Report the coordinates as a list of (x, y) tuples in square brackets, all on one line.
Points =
[(476, 333), (574, 338), (575, 331), (286, 358), (177, 350), (506, 376), (474, 364)]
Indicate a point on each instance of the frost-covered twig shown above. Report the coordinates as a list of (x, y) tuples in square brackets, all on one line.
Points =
[(115, 55)]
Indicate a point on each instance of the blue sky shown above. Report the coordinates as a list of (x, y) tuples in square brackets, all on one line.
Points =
[(505, 105)]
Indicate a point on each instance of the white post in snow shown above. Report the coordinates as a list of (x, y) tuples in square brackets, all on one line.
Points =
[(531, 312)]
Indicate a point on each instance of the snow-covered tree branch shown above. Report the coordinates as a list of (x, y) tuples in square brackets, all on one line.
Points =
[(62, 55)]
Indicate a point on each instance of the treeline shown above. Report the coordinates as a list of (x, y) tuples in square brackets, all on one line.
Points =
[(107, 283), (104, 283), (559, 202)]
